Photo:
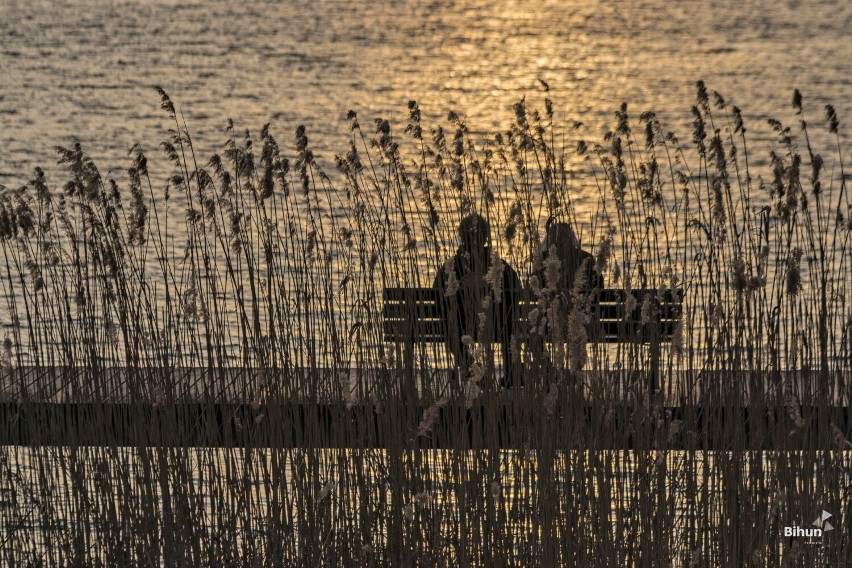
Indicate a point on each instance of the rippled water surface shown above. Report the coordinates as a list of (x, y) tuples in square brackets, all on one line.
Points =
[(84, 69)]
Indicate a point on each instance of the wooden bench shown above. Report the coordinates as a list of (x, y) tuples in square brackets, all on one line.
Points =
[(414, 315)]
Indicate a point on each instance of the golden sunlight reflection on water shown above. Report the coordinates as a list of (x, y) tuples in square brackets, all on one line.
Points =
[(84, 70)]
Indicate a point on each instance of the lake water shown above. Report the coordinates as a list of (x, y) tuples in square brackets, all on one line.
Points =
[(85, 69)]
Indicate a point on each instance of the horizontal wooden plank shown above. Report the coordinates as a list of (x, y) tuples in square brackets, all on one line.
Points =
[(426, 331), (600, 332), (496, 420), (620, 332), (602, 296), (617, 312), (620, 295), (420, 338), (411, 294), (419, 310)]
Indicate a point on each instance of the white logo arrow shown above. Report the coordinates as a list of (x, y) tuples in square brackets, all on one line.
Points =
[(822, 521)]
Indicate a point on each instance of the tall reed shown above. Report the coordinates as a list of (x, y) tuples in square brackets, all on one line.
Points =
[(255, 279)]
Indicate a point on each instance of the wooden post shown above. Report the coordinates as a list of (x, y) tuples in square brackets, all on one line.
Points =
[(654, 347), (409, 394)]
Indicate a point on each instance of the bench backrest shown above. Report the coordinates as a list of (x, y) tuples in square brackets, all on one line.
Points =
[(613, 321), (414, 315)]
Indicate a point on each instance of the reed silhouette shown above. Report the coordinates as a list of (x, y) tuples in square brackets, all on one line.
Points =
[(256, 278)]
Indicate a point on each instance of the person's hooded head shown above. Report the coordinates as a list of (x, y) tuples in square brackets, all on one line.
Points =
[(561, 236), (474, 233)]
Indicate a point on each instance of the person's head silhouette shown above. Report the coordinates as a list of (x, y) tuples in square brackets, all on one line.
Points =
[(561, 239), (562, 236), (474, 233)]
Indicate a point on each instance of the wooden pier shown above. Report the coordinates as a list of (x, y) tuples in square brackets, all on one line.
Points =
[(492, 425), (58, 407)]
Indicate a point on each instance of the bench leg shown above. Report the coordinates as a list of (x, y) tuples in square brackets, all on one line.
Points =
[(654, 377), (409, 394)]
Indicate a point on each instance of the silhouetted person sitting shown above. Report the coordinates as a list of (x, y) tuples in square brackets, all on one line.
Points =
[(574, 273), (480, 295), (561, 238)]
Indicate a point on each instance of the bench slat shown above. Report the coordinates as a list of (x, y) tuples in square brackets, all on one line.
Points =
[(421, 326), (420, 310), (397, 295), (425, 338), (631, 332), (619, 295), (618, 312)]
